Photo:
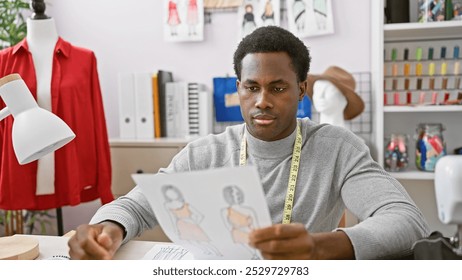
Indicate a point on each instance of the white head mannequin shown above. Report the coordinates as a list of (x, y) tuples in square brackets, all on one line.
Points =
[(330, 102)]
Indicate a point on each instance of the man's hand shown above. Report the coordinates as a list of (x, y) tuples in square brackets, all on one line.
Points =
[(93, 242), (294, 242)]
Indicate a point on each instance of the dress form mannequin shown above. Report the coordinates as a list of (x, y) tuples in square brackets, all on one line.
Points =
[(41, 39), (329, 101)]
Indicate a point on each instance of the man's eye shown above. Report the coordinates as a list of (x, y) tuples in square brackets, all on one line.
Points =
[(252, 89), (279, 89)]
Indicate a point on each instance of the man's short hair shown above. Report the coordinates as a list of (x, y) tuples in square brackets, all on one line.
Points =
[(274, 39)]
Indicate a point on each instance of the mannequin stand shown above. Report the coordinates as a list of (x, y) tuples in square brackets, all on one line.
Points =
[(59, 221)]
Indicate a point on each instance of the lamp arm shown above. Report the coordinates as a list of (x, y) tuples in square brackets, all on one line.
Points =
[(5, 112)]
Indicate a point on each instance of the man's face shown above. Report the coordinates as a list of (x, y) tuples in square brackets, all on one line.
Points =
[(269, 93)]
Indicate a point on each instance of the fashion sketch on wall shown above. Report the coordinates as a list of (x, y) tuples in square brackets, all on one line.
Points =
[(256, 13), (183, 20), (186, 220), (240, 220), (310, 17)]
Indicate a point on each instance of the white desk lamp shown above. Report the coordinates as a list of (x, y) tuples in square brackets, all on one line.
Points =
[(36, 131), (448, 192)]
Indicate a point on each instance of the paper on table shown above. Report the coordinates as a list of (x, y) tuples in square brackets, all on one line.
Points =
[(209, 212), (168, 252)]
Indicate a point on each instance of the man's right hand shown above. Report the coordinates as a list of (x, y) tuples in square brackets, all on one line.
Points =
[(96, 242)]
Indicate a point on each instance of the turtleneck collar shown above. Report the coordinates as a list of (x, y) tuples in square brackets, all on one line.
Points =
[(270, 149)]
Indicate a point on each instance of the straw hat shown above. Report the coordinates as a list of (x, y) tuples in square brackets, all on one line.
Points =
[(345, 82)]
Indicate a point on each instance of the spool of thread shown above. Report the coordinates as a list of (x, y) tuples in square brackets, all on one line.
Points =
[(419, 83), (394, 54), (456, 52), (418, 54), (430, 53), (443, 52), (445, 83), (396, 98), (434, 97), (409, 97), (394, 70), (446, 96), (422, 97)]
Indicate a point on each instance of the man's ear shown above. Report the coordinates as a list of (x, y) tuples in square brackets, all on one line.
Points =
[(302, 87), (237, 85)]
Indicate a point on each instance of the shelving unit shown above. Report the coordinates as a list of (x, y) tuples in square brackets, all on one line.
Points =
[(404, 119)]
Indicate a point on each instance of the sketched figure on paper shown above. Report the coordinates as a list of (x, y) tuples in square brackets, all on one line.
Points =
[(192, 18), (239, 219), (187, 220), (173, 18)]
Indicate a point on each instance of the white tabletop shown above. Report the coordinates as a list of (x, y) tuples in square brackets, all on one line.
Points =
[(55, 247)]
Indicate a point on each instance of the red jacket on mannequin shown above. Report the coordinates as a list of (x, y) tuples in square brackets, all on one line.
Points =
[(83, 167)]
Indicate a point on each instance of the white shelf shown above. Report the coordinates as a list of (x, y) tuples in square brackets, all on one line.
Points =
[(429, 108), (416, 30), (403, 118), (413, 175)]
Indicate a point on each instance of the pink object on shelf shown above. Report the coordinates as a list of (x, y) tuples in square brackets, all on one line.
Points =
[(396, 98)]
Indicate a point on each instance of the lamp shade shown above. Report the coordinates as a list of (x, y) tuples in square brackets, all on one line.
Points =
[(36, 131)]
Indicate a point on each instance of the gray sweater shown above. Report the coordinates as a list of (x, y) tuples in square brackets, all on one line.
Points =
[(336, 171)]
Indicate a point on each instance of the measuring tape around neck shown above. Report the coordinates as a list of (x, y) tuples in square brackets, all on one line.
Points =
[(294, 166)]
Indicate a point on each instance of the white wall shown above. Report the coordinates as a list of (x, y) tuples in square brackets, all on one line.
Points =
[(127, 36)]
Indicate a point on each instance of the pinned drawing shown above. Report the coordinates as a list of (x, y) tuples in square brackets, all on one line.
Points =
[(256, 13), (310, 17), (240, 220), (173, 18), (248, 20), (268, 14), (184, 20), (186, 220)]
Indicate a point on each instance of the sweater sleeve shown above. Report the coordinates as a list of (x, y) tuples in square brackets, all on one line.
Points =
[(390, 221), (133, 211)]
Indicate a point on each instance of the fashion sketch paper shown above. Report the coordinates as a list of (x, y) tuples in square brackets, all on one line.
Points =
[(210, 212), (183, 20), (308, 18), (257, 13)]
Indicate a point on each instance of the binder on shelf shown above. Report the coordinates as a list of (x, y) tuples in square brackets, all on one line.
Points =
[(163, 77), (126, 95), (144, 108), (189, 110), (205, 112), (156, 104), (193, 109), (169, 122)]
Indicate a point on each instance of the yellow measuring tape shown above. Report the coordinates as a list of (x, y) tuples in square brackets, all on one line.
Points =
[(294, 166)]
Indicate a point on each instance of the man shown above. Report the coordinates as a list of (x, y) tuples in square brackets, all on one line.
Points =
[(335, 171)]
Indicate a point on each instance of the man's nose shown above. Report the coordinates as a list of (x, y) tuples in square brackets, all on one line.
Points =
[(264, 100)]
